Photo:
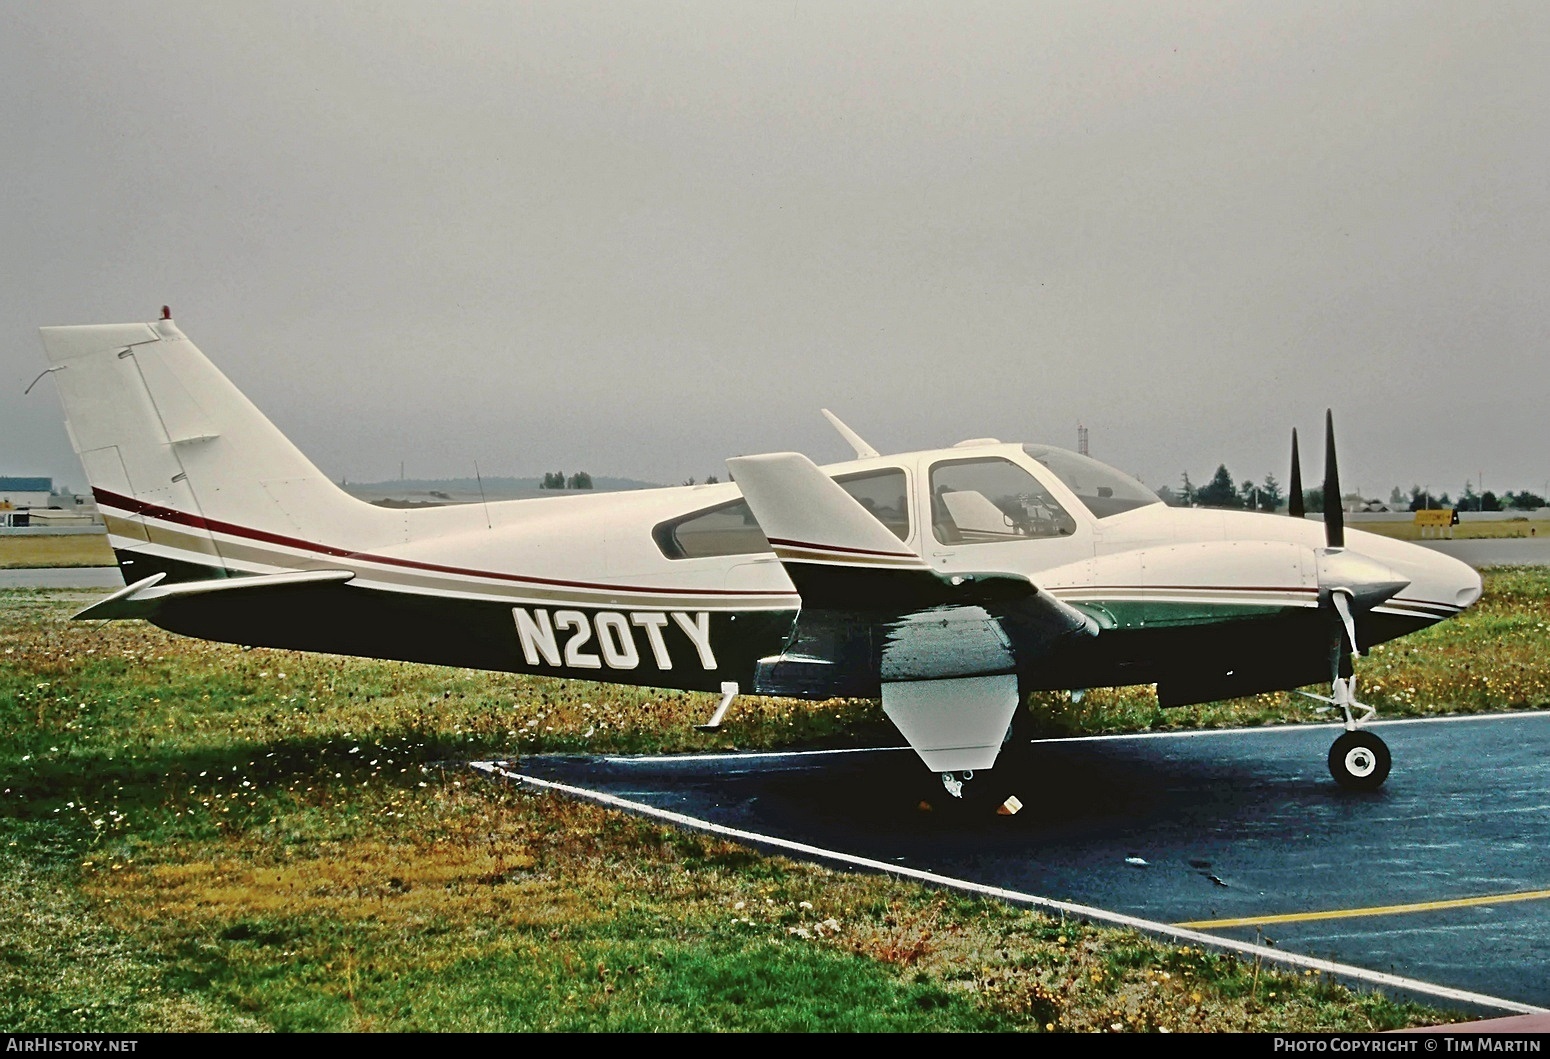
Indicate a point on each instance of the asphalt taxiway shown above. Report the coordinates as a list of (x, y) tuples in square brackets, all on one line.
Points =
[(1438, 884)]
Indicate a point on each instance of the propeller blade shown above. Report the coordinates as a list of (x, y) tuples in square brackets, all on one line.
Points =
[(1334, 513), (1294, 491)]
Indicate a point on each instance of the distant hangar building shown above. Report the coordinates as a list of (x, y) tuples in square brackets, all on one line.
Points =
[(33, 503), (19, 494)]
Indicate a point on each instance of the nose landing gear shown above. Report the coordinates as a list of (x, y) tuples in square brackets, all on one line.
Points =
[(1358, 760)]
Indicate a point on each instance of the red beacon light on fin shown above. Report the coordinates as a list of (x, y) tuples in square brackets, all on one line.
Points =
[(166, 312)]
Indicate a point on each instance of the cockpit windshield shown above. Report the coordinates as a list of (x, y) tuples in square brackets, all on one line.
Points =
[(1100, 487)]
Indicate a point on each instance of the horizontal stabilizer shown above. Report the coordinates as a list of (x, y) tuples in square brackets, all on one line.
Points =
[(810, 518), (836, 552), (143, 598)]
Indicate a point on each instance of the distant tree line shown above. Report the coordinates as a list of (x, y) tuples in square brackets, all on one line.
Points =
[(583, 480), (1470, 500), (559, 480), (1221, 492)]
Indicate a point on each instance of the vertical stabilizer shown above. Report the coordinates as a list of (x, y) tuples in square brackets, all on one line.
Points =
[(183, 467)]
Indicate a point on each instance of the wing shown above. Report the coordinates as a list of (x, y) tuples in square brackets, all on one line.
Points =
[(943, 649)]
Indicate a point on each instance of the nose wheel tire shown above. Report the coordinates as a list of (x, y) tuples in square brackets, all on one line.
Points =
[(1359, 761)]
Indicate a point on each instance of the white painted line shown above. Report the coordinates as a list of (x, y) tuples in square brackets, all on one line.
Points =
[(1194, 733), (1277, 729), (1117, 919), (763, 755)]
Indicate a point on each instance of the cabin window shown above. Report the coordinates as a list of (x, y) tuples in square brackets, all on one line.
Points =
[(727, 529), (982, 501), (731, 529), (883, 494)]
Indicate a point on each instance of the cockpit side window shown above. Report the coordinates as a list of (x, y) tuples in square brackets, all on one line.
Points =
[(980, 501), (1102, 489), (731, 529)]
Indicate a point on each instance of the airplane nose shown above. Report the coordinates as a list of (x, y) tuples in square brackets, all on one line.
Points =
[(1463, 579), (1440, 585)]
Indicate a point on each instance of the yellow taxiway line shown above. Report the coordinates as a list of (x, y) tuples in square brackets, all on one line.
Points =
[(1375, 910)]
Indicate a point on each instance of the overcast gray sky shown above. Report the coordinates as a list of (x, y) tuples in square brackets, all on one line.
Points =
[(637, 238)]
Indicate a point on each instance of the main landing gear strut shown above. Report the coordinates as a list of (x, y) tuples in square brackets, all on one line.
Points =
[(994, 789), (954, 781)]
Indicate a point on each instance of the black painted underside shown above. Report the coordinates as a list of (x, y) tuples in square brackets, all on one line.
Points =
[(474, 634), (827, 652)]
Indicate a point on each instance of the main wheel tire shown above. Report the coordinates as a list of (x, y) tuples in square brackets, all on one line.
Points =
[(1359, 761)]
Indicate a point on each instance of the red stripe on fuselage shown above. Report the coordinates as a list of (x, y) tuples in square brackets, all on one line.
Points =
[(837, 548), (167, 514)]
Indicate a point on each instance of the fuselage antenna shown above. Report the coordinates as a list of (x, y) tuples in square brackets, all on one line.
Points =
[(487, 523)]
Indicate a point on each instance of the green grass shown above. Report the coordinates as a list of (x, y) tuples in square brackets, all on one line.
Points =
[(73, 549), (198, 837)]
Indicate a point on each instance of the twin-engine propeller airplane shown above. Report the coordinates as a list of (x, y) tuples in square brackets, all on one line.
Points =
[(949, 583)]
